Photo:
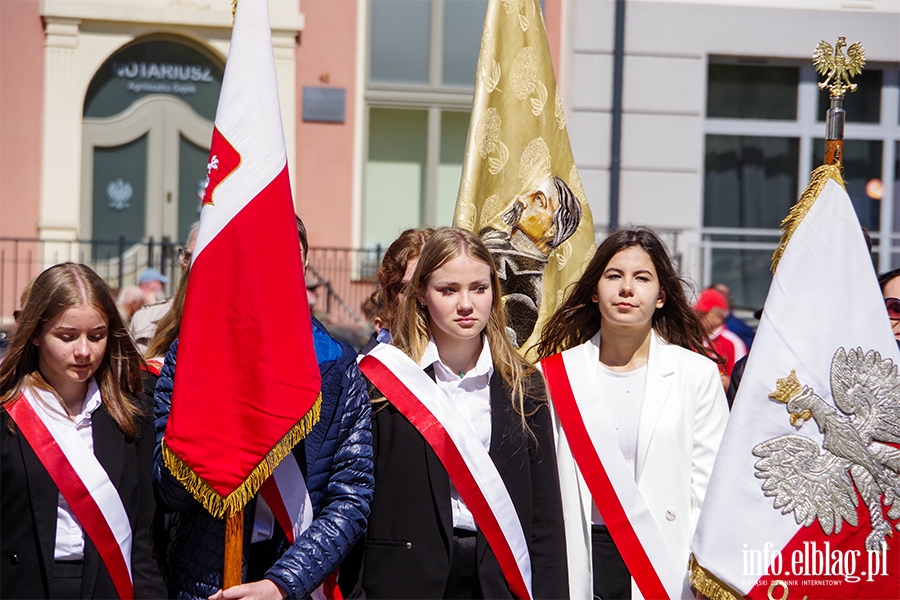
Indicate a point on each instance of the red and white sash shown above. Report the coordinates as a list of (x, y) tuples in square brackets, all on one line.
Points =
[(457, 446), (287, 496), (610, 479), (81, 480)]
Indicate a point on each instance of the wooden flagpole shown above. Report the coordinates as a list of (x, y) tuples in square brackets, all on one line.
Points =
[(234, 548)]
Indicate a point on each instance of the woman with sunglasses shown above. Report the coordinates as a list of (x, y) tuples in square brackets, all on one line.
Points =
[(890, 289)]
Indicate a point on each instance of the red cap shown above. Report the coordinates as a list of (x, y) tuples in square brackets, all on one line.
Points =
[(710, 299)]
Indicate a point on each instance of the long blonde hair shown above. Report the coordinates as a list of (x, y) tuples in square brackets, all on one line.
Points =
[(57, 289), (413, 323)]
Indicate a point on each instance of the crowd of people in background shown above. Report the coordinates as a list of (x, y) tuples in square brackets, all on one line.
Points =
[(392, 513)]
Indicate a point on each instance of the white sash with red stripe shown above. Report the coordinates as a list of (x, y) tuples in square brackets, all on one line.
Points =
[(81, 480), (610, 479), (468, 464), (287, 496)]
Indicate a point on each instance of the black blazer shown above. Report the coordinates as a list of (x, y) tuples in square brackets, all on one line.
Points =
[(410, 536), (28, 504)]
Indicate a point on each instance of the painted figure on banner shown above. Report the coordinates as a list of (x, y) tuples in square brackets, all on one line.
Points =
[(520, 191), (538, 221)]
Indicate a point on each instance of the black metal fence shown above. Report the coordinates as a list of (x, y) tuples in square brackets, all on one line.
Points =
[(346, 275)]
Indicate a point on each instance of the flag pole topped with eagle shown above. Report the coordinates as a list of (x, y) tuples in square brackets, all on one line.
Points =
[(804, 499), (520, 190), (247, 380)]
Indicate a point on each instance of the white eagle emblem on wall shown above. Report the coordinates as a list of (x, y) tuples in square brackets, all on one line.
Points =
[(858, 429), (119, 193)]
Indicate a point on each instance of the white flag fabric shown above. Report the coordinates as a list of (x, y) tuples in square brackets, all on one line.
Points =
[(790, 508)]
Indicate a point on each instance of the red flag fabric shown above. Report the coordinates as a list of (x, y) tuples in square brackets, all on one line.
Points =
[(247, 380)]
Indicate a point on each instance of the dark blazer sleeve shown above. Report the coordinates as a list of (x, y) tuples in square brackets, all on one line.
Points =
[(28, 502), (145, 572), (527, 463)]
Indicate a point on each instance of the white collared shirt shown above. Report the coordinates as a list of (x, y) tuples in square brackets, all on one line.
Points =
[(69, 534), (471, 396)]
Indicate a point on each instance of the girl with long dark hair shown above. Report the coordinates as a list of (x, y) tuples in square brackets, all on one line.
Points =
[(633, 392)]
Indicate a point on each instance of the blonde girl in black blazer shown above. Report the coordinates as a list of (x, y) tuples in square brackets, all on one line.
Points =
[(421, 541)]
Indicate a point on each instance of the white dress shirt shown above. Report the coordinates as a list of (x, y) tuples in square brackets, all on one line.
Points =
[(69, 534), (620, 396), (470, 393)]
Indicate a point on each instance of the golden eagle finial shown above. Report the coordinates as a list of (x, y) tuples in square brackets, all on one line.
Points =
[(837, 68)]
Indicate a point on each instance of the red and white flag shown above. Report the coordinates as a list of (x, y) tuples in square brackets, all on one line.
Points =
[(247, 380), (804, 499)]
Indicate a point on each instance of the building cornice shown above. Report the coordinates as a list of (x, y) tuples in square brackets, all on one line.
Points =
[(284, 15)]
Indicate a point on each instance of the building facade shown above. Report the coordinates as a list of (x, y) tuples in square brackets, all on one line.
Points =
[(106, 109)]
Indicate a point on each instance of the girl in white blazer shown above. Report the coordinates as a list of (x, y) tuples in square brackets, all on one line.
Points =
[(628, 323)]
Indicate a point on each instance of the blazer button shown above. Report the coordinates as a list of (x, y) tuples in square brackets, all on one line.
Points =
[(408, 545), (13, 559), (670, 516)]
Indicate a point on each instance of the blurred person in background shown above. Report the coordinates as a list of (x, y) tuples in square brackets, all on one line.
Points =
[(712, 309), (734, 324), (152, 283), (397, 266), (890, 290), (371, 307), (131, 299), (6, 332), (144, 322)]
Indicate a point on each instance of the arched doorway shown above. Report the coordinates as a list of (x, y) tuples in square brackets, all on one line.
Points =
[(148, 118)]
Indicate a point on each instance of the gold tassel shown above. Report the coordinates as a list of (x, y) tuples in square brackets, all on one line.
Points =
[(790, 223), (709, 585), (214, 503)]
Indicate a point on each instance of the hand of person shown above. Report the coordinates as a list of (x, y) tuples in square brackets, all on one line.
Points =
[(257, 590)]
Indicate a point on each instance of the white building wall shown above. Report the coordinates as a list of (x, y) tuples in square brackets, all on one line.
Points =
[(667, 47)]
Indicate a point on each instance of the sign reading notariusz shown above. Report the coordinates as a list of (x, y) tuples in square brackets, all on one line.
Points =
[(167, 67), (165, 78)]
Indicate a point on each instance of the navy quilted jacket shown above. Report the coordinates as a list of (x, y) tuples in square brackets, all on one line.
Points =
[(336, 460)]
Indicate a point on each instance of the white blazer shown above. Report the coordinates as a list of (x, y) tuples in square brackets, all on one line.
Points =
[(682, 420)]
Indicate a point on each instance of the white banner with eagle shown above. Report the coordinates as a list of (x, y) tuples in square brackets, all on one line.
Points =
[(804, 499)]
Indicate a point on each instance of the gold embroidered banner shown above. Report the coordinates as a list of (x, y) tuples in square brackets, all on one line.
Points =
[(520, 191)]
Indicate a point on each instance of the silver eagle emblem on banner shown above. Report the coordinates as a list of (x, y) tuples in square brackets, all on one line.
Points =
[(821, 483)]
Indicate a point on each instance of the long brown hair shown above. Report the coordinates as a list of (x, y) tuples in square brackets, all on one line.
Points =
[(413, 324), (170, 324), (578, 319), (407, 247), (55, 290)]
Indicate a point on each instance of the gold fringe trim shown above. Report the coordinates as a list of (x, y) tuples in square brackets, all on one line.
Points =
[(709, 585), (214, 503), (789, 225)]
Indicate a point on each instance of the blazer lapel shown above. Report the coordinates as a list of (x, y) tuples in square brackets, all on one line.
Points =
[(656, 392), (500, 452), (440, 484), (44, 501)]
